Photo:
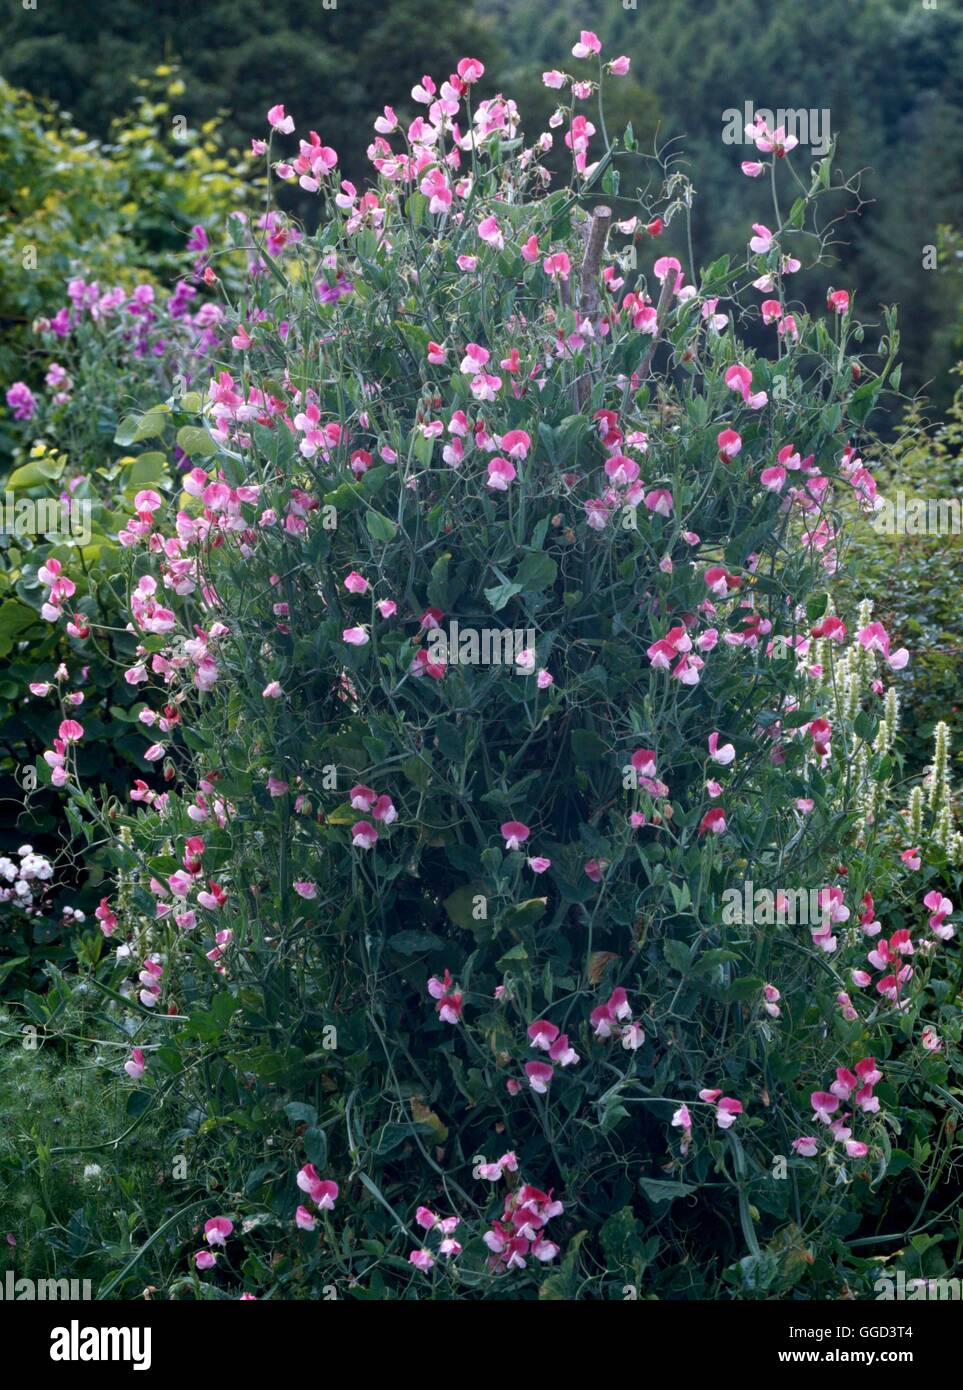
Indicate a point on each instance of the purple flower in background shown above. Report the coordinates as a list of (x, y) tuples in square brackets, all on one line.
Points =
[(141, 300), (198, 239), (330, 294), (180, 300), (21, 401)]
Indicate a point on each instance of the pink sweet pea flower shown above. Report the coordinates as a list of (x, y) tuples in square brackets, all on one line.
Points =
[(515, 834), (727, 1112), (135, 1066), (217, 1230), (666, 266), (713, 822), (516, 443), (539, 1076), (588, 43), (322, 1191), (470, 70), (761, 243), (542, 1034), (824, 1104), (500, 474), (730, 444), (364, 835), (491, 233), (940, 908), (279, 121), (557, 265), (723, 755)]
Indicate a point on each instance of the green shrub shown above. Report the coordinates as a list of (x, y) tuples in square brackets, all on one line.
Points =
[(117, 212), (376, 872), (81, 1182), (108, 353), (913, 566), (114, 219)]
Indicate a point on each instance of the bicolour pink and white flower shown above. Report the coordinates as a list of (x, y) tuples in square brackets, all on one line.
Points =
[(514, 833), (322, 1191), (448, 999)]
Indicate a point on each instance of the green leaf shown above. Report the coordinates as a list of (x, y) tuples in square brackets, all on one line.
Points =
[(621, 1239), (315, 1143), (136, 428), (863, 400), (300, 1114), (147, 469), (15, 618), (678, 955), (380, 528), (816, 606), (390, 1135), (659, 1191), (414, 943), (526, 913), (587, 747), (195, 442), (500, 595), (415, 336), (536, 572), (10, 965), (438, 584), (34, 473), (459, 905)]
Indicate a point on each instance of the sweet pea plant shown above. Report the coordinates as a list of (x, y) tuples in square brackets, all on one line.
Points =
[(486, 644), (105, 352)]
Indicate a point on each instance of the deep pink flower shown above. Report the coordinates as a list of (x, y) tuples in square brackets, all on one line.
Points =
[(515, 834), (539, 1076)]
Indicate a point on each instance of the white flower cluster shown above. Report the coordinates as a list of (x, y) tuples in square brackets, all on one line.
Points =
[(26, 879), (26, 883)]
